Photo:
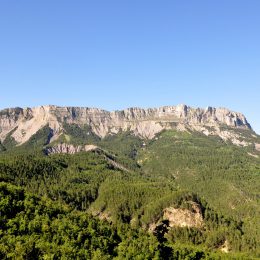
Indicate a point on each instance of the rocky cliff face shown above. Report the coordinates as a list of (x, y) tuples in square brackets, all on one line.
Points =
[(22, 123), (181, 217), (69, 148)]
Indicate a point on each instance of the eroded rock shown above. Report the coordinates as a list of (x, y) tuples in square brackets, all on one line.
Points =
[(181, 217), (184, 217), (145, 123)]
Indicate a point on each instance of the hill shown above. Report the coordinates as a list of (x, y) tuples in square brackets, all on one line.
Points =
[(164, 183)]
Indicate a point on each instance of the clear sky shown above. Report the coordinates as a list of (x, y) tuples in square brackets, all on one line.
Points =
[(117, 54)]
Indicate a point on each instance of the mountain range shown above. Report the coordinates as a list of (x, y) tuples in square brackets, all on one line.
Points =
[(20, 124), (173, 182)]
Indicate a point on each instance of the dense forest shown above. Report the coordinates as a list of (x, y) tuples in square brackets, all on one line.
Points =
[(83, 206)]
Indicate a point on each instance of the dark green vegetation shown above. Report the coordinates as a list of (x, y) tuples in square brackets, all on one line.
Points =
[(83, 206), (79, 135), (9, 141)]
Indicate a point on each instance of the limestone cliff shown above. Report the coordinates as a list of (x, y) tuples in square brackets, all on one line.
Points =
[(22, 123)]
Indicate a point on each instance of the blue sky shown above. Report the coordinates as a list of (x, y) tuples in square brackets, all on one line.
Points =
[(118, 54)]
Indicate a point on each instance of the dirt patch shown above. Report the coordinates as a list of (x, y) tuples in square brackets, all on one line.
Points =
[(253, 155), (102, 215), (225, 247)]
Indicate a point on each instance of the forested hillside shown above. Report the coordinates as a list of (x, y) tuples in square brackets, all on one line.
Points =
[(178, 196)]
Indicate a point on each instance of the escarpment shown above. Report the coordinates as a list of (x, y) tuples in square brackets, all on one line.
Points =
[(22, 123)]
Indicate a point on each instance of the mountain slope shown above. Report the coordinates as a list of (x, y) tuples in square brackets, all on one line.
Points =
[(19, 125), (190, 185)]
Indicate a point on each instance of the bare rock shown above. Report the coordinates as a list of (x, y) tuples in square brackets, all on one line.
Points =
[(180, 217), (184, 217), (257, 147), (145, 123), (64, 148)]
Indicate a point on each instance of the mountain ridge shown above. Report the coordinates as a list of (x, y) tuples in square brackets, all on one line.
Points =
[(22, 123)]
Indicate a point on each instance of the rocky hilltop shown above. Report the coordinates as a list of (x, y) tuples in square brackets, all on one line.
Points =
[(22, 123)]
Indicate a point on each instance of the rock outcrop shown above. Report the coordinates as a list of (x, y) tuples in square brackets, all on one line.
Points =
[(69, 148), (180, 217), (184, 217), (65, 148), (146, 123), (257, 147)]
